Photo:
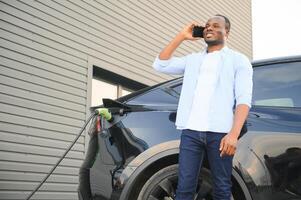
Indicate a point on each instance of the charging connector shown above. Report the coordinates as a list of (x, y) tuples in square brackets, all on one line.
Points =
[(105, 113)]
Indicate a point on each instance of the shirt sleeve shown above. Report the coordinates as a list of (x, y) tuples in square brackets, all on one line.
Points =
[(244, 82), (174, 65)]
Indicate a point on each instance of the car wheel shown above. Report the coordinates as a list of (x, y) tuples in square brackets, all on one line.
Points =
[(162, 185)]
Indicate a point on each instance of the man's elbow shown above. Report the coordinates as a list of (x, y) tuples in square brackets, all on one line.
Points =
[(245, 101), (159, 64), (245, 106)]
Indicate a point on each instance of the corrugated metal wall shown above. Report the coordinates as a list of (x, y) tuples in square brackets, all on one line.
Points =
[(46, 48)]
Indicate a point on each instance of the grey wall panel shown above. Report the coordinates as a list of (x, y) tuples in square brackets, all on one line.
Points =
[(98, 26), (31, 158), (28, 42), (47, 50), (42, 73), (41, 116), (30, 130), (17, 176), (26, 58), (37, 80), (38, 150), (37, 141), (40, 195), (19, 185), (25, 31), (40, 98), (37, 123), (36, 168), (40, 89), (26, 50), (94, 47), (37, 106), (127, 64)]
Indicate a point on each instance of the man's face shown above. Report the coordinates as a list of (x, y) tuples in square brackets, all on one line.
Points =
[(215, 32)]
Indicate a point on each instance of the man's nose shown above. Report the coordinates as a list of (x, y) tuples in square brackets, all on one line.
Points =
[(209, 28)]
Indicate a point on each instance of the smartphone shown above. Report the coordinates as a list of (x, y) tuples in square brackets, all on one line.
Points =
[(197, 31)]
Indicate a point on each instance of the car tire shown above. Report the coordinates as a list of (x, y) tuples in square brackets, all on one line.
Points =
[(162, 185)]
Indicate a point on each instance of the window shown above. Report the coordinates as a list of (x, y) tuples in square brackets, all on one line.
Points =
[(106, 84), (277, 85), (125, 92), (100, 90)]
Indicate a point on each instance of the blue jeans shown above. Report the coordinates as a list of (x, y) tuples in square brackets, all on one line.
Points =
[(193, 146)]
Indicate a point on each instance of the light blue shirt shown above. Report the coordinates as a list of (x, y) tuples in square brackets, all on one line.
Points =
[(233, 87)]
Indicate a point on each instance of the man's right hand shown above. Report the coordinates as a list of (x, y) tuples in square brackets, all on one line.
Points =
[(186, 32)]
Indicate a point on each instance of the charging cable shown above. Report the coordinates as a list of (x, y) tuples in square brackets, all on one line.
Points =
[(104, 113), (62, 157)]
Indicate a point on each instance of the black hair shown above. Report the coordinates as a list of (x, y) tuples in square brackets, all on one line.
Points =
[(227, 21)]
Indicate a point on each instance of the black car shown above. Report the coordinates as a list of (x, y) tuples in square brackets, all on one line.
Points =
[(135, 155)]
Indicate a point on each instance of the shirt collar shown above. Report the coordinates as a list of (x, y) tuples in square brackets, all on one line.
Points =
[(223, 50)]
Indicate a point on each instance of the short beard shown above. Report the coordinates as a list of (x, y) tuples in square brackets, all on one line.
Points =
[(214, 42)]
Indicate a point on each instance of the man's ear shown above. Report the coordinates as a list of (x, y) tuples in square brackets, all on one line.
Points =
[(227, 34)]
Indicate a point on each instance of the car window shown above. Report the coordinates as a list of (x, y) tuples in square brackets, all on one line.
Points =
[(277, 85)]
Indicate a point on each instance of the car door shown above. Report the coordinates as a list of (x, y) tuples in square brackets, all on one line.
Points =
[(275, 126)]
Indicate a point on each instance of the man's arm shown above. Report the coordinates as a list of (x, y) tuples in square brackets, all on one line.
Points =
[(229, 142), (167, 52), (165, 62), (243, 95), (185, 34), (240, 116)]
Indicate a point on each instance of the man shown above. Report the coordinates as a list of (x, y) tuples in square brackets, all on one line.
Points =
[(216, 82)]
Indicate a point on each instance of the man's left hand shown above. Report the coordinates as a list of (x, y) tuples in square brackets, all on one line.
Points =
[(228, 144)]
